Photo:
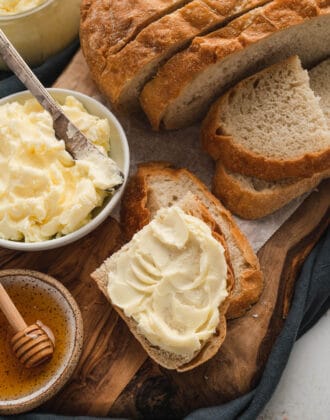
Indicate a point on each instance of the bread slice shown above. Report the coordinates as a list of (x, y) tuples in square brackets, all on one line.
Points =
[(128, 70), (194, 207), (252, 198), (156, 185), (320, 83), (270, 125), (107, 26), (191, 80)]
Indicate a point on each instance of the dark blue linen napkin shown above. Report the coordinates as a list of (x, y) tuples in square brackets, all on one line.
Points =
[(47, 73), (311, 300)]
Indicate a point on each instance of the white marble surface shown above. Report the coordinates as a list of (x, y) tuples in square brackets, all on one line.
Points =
[(304, 389)]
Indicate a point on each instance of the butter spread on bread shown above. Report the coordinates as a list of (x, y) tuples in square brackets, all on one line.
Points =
[(192, 206), (156, 185), (171, 281)]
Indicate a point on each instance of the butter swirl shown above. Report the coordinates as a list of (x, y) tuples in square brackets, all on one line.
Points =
[(171, 280), (43, 192)]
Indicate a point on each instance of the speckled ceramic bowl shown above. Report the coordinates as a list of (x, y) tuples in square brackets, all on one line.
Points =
[(119, 153), (74, 341)]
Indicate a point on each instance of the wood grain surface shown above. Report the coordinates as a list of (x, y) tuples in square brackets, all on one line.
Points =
[(114, 376)]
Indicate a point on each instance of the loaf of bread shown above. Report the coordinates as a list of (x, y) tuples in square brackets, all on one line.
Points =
[(107, 26), (171, 360), (126, 71), (187, 84), (158, 185), (270, 125)]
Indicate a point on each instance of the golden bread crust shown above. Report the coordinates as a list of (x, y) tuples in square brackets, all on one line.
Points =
[(134, 215), (180, 71), (160, 40), (106, 26), (152, 43), (253, 204), (222, 145)]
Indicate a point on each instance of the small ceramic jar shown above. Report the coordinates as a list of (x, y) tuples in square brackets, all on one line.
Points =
[(56, 307), (42, 31)]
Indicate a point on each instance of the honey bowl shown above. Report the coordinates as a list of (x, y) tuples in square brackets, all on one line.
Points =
[(38, 296)]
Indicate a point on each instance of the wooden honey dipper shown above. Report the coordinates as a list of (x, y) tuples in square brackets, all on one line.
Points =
[(32, 345)]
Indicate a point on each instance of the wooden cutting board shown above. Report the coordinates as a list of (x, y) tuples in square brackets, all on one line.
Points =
[(114, 376)]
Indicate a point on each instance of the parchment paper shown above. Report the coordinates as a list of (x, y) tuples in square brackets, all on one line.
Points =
[(182, 148)]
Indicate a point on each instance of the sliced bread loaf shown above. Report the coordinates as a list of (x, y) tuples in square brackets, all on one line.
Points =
[(107, 26), (190, 81), (252, 198), (170, 360), (270, 125), (157, 185), (128, 70)]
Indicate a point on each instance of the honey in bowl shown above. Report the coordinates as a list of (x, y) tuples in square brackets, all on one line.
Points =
[(35, 300)]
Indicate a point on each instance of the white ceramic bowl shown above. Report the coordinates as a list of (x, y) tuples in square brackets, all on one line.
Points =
[(42, 31), (119, 153)]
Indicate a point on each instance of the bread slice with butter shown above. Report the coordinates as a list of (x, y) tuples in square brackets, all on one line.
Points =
[(156, 185), (165, 333)]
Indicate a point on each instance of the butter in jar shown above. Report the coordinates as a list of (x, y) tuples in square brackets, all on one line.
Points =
[(42, 30), (11, 7)]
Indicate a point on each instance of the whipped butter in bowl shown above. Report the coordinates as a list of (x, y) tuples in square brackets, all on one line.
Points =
[(171, 280), (48, 199)]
